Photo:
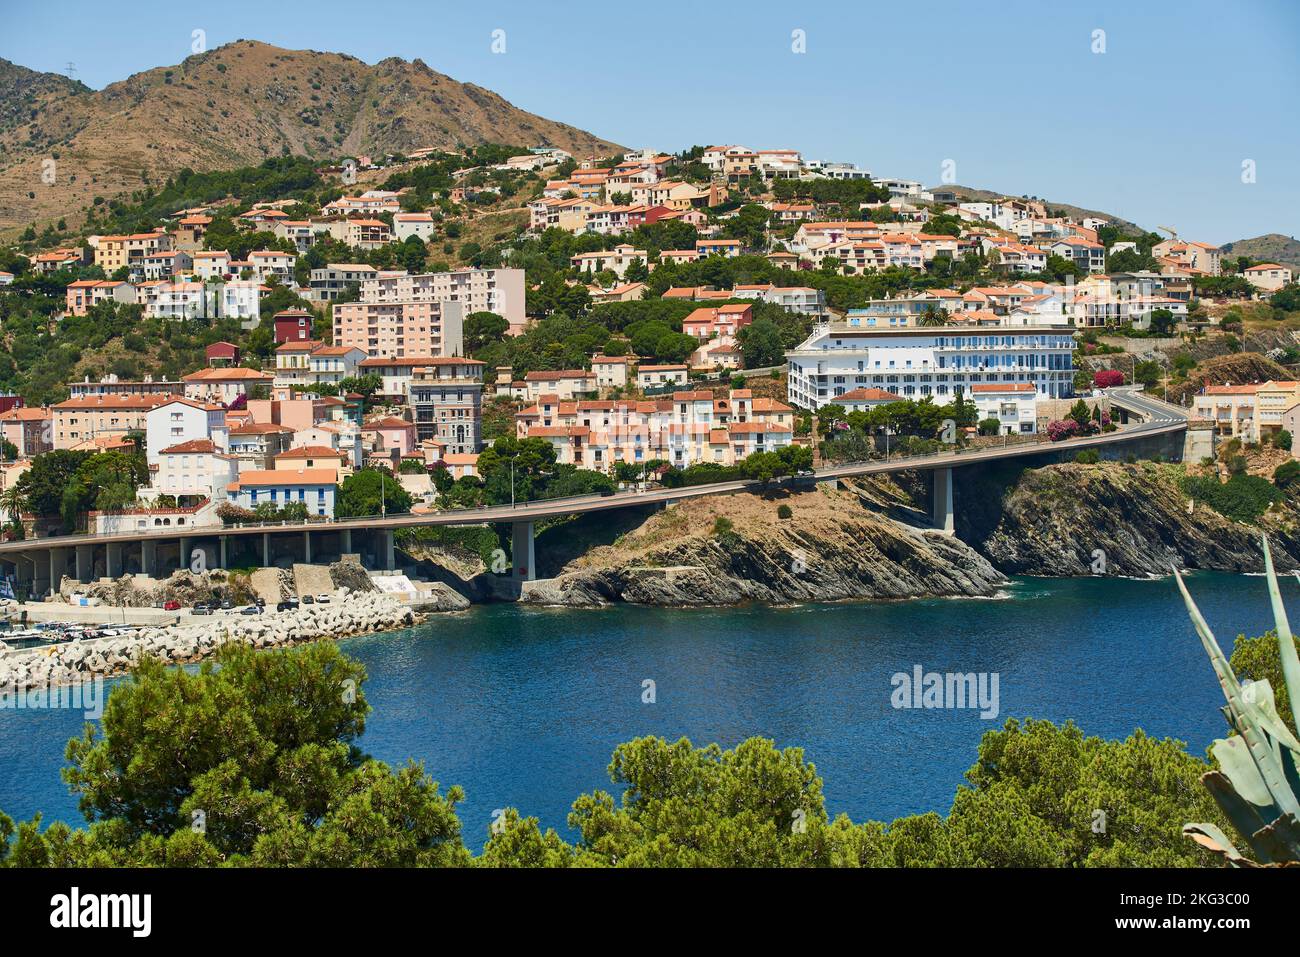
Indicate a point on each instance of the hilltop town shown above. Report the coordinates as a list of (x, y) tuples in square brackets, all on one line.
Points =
[(263, 343)]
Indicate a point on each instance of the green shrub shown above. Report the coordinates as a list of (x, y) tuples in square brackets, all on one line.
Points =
[(1283, 440), (1287, 475), (784, 511), (1242, 498), (722, 526), (1088, 457), (990, 426)]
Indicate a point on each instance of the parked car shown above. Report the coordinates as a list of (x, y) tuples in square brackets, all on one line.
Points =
[(226, 605), (322, 599), (202, 608), (250, 610), (171, 605), (289, 604), (308, 600)]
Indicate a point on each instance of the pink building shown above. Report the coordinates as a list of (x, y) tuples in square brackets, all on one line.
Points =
[(709, 321), (393, 433)]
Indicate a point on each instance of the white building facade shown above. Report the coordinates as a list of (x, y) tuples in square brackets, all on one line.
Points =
[(916, 362)]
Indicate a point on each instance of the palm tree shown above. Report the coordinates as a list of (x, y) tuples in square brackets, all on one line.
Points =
[(932, 317), (12, 503)]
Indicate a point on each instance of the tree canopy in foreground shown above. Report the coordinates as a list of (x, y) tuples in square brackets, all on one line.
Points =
[(253, 761)]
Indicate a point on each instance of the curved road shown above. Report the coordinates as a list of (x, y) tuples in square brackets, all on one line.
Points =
[(1159, 418)]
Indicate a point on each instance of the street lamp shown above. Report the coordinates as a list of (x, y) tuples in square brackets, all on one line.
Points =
[(512, 483)]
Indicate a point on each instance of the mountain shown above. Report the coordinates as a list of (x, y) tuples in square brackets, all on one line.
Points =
[(969, 194), (25, 94), (232, 106), (1271, 248)]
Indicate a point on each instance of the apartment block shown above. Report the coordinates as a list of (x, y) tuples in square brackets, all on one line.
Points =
[(477, 290), (114, 252), (397, 329), (446, 398), (94, 417)]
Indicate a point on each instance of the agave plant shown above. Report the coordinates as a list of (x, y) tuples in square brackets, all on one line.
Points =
[(1258, 782)]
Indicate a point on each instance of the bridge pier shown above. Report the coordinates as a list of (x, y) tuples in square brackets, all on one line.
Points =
[(184, 560), (113, 560), (345, 541), (390, 549), (225, 559), (522, 551), (942, 500), (40, 574), (58, 567), (306, 546), (266, 549), (85, 560), (27, 571), (149, 557)]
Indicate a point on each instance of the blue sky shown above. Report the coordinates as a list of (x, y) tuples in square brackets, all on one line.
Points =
[(1155, 129)]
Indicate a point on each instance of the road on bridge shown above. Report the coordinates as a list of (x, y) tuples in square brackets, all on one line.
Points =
[(1159, 418)]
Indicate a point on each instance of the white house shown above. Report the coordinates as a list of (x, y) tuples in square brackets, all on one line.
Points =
[(406, 225), (214, 264), (1013, 404), (610, 371), (273, 262), (180, 421), (330, 365), (314, 488), (1268, 277), (659, 375), (197, 469)]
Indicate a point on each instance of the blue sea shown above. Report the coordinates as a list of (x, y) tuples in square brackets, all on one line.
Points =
[(523, 707)]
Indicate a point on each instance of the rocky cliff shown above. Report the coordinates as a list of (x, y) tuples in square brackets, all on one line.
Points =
[(1053, 521), (835, 545)]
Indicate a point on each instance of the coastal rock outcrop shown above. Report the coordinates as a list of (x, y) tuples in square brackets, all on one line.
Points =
[(733, 549), (1057, 521), (141, 591)]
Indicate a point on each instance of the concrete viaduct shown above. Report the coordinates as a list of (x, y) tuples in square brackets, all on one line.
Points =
[(1151, 426)]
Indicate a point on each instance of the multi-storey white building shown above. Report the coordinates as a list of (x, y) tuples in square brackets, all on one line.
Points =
[(237, 299), (804, 299), (197, 468), (940, 361), (180, 420), (477, 290), (815, 168)]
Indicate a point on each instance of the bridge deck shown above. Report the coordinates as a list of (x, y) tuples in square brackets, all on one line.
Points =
[(1159, 418)]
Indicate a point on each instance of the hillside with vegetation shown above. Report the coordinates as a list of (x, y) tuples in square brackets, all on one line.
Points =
[(1270, 248), (240, 103), (25, 93)]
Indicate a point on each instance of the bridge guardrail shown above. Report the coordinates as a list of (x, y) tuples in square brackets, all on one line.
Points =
[(524, 509)]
